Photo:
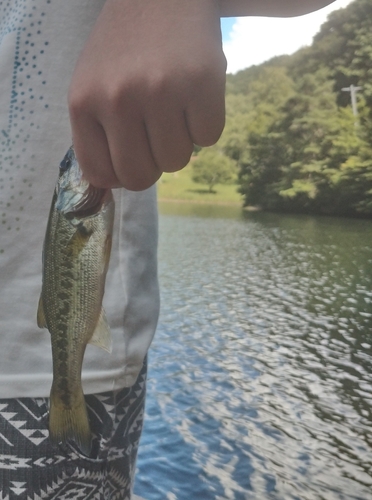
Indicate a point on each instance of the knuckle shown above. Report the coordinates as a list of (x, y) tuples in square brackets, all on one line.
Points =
[(135, 91), (76, 103), (95, 175), (209, 128), (212, 70), (80, 102), (101, 181), (110, 97), (118, 93), (178, 163), (210, 137), (136, 175), (158, 86)]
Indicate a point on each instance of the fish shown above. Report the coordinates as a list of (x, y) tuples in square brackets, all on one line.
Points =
[(76, 255)]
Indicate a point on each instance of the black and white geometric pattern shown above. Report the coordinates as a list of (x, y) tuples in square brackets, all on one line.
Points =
[(32, 469)]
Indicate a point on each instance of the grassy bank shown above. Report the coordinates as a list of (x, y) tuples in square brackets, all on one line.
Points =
[(180, 186)]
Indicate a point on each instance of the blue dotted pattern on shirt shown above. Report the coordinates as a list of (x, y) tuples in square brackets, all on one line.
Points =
[(24, 18)]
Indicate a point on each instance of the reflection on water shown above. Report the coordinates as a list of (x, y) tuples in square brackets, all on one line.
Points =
[(260, 373)]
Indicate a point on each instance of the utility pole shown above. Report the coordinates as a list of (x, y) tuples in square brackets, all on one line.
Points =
[(353, 91)]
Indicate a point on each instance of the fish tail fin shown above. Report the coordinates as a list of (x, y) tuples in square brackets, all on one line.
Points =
[(69, 421)]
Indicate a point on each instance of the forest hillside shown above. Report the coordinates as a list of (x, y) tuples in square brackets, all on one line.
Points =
[(292, 136)]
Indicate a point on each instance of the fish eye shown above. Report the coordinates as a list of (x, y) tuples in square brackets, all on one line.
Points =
[(66, 162)]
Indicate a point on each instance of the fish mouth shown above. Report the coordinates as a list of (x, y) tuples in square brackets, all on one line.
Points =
[(75, 196)]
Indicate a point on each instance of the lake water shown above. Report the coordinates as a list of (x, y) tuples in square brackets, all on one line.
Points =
[(260, 379)]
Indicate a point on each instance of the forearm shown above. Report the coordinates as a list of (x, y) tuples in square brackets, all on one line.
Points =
[(270, 8)]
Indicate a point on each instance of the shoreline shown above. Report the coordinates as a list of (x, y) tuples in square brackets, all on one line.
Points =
[(200, 202)]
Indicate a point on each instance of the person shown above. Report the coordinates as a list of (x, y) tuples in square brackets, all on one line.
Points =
[(135, 84)]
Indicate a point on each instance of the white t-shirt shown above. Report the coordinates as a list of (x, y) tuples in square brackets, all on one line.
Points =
[(40, 41)]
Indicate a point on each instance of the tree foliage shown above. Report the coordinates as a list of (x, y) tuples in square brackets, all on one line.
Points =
[(290, 127), (212, 167)]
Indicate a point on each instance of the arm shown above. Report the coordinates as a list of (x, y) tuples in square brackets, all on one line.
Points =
[(150, 83), (270, 8)]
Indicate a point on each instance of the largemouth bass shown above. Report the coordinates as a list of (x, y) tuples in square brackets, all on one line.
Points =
[(76, 255)]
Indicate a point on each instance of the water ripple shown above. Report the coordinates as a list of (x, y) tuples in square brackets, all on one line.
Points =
[(260, 382)]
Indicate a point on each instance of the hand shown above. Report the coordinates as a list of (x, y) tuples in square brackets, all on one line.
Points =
[(148, 85)]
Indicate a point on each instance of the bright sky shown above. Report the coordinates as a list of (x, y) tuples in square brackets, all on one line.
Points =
[(253, 40)]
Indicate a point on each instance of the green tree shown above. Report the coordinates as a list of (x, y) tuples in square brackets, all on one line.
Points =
[(212, 167), (314, 160), (253, 112), (291, 129)]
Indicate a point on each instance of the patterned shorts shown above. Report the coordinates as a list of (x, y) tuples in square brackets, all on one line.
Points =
[(32, 469)]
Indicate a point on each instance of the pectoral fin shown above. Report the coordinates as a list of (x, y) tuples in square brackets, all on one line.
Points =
[(79, 239), (102, 334), (41, 321)]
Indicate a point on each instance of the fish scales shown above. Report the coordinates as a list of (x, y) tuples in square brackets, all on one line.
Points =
[(75, 258)]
